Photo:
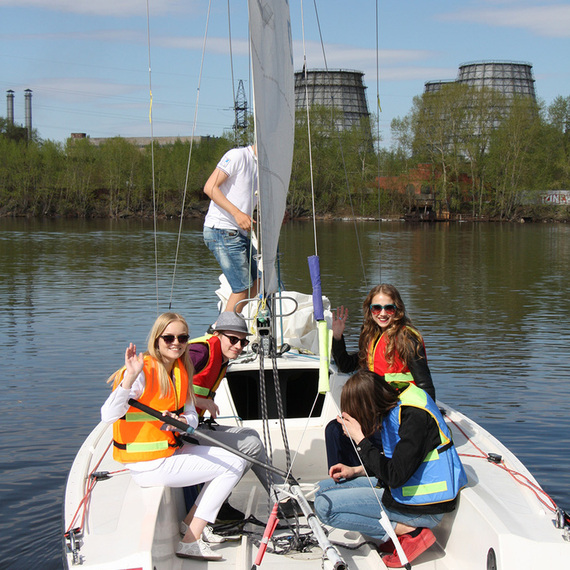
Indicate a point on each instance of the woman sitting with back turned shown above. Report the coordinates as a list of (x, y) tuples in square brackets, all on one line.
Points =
[(162, 379), (419, 468), (388, 345)]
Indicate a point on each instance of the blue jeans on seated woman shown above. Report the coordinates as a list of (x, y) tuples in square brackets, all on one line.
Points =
[(355, 505)]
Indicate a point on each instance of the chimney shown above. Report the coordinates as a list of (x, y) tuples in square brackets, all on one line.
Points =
[(28, 100), (10, 106)]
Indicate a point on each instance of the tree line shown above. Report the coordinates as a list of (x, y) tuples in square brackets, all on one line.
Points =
[(487, 156), (491, 154)]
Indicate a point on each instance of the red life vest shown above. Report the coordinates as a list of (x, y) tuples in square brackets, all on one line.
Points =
[(206, 381), (398, 371), (137, 436)]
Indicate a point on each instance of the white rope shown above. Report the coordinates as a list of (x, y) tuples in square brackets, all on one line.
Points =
[(333, 107), (309, 129), (384, 520)]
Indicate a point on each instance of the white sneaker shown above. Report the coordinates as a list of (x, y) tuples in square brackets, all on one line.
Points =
[(198, 550), (208, 534)]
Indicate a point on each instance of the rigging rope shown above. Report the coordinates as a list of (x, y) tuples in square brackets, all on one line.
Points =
[(341, 148), (378, 139), (155, 233), (516, 475), (190, 154)]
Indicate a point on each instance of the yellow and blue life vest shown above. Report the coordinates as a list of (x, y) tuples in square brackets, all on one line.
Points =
[(441, 475)]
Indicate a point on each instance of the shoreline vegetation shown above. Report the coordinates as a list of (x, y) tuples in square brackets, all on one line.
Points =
[(459, 155)]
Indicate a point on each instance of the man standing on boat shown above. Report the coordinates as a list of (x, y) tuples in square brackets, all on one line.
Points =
[(232, 189), (210, 356)]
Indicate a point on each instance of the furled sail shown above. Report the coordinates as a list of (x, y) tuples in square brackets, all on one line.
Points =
[(274, 115)]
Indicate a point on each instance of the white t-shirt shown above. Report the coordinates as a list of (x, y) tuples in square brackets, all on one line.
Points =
[(240, 164)]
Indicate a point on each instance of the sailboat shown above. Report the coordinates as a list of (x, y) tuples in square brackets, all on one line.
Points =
[(504, 520)]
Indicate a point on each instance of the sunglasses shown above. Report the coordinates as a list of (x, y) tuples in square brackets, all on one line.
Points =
[(169, 338), (235, 339), (389, 309)]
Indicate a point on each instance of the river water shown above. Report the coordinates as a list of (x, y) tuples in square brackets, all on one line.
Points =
[(492, 301)]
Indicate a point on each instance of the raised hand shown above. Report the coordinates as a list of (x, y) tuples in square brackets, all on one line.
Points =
[(134, 364), (339, 321)]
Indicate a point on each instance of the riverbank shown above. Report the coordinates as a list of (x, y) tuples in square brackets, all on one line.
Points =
[(526, 214)]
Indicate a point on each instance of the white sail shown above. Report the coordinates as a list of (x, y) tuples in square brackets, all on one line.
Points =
[(274, 114)]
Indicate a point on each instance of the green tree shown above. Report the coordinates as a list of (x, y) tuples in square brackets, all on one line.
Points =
[(78, 194), (511, 155), (118, 161), (559, 119)]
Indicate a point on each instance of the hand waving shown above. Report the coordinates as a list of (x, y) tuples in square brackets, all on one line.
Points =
[(134, 364), (339, 321)]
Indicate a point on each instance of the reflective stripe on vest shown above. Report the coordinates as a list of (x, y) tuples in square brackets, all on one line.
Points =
[(207, 380), (399, 377)]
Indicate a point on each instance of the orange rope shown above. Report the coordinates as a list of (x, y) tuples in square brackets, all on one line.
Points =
[(91, 482), (526, 482)]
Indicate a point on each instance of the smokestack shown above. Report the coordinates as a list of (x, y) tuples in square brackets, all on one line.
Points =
[(28, 98), (10, 106)]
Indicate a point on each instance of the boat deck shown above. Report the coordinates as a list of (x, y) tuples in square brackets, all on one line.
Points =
[(498, 516)]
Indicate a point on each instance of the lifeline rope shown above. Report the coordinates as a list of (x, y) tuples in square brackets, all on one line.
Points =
[(91, 482), (524, 480)]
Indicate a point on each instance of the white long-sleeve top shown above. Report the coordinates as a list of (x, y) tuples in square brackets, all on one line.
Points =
[(117, 405)]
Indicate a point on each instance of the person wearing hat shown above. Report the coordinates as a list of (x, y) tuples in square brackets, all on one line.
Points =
[(210, 356)]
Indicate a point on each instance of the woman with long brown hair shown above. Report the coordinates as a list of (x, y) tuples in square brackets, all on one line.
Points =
[(417, 492), (388, 345)]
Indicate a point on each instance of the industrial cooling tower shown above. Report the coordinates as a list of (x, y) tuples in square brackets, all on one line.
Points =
[(341, 89), (508, 77)]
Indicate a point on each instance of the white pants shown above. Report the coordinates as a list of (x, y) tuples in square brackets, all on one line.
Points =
[(217, 468), (243, 439)]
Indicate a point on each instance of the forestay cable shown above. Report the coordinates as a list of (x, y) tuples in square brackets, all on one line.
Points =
[(190, 153), (152, 158), (379, 110), (337, 129)]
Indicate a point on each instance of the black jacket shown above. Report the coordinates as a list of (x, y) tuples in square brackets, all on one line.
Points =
[(348, 362)]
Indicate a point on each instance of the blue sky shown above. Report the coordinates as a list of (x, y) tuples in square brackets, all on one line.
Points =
[(87, 62)]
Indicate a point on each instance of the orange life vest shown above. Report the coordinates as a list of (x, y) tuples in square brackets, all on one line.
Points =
[(137, 436), (206, 381)]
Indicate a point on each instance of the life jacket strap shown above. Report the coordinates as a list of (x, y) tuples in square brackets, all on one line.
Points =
[(144, 417), (148, 446)]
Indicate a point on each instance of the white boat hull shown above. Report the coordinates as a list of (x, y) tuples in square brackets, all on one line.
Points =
[(129, 527)]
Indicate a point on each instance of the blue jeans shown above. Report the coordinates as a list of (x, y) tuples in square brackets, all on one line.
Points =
[(231, 249), (352, 505)]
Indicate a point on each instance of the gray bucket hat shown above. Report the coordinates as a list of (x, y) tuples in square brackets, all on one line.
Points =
[(229, 321)]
